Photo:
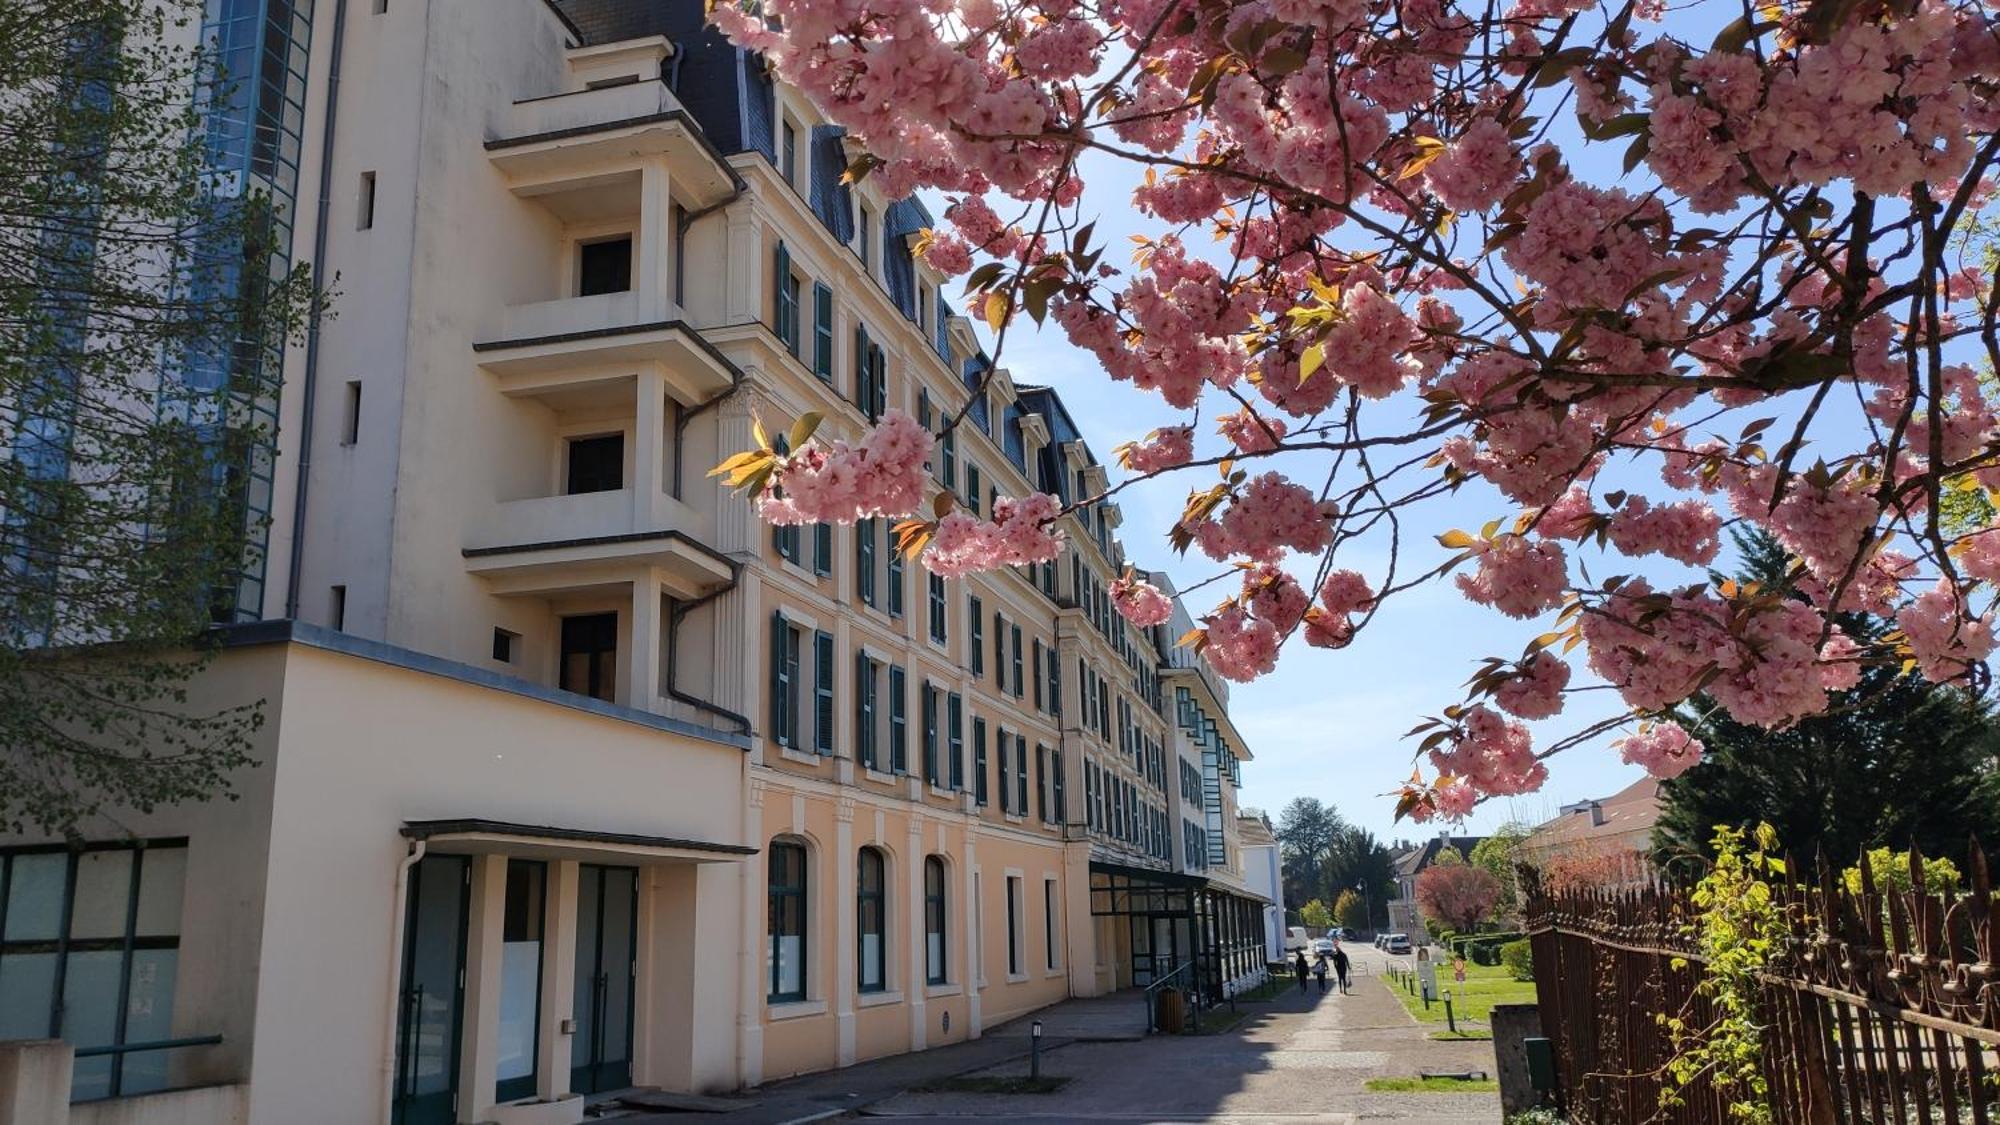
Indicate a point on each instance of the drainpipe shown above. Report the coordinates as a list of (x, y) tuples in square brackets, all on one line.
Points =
[(310, 379), (399, 921), (681, 610)]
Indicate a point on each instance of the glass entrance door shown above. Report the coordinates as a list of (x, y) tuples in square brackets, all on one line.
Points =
[(607, 922), (433, 994)]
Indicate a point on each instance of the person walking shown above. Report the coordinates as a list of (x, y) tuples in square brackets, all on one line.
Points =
[(1340, 967), (1319, 971), (1299, 967)]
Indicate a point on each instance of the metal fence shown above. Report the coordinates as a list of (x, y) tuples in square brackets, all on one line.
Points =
[(1882, 1006)]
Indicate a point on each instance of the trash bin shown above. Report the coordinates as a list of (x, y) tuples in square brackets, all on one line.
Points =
[(1172, 1011)]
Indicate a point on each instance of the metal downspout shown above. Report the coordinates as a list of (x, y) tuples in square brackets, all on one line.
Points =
[(310, 379)]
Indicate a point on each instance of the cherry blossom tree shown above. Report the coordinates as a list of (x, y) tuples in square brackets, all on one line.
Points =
[(1625, 272)]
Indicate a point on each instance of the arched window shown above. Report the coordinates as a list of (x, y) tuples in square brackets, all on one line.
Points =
[(934, 916), (785, 949), (871, 910)]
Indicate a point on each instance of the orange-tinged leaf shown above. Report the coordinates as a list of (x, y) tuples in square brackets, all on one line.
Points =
[(1310, 361), (802, 430), (1456, 539), (1428, 150), (996, 310)]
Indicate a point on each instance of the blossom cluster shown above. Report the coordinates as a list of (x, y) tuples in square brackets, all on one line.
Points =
[(1663, 749), (1491, 753), (1021, 531), (837, 482), (1140, 602)]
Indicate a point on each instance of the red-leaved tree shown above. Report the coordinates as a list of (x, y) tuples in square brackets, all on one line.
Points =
[(1625, 272), (1457, 896)]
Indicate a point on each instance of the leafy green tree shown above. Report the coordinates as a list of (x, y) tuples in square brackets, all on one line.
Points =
[(1896, 761), (1315, 916), (1358, 861), (141, 307), (1306, 831), (1350, 911), (1497, 855)]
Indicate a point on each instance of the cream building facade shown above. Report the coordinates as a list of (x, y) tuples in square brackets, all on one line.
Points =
[(573, 775)]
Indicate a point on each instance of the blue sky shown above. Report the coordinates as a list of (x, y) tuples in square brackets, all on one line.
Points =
[(1326, 724)]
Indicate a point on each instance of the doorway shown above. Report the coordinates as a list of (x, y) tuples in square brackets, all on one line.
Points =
[(607, 922), (432, 999)]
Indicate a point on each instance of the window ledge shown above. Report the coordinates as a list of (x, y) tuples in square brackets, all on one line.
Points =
[(877, 999), (873, 774), (1017, 978), (1055, 972), (948, 988), (801, 757), (944, 791), (1016, 818), (793, 1009)]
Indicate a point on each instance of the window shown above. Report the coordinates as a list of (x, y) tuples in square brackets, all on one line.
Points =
[(503, 645), (522, 915), (1042, 782), (979, 762), (785, 539), (823, 693), (930, 711), (975, 621), (1039, 685), (788, 154), (864, 561), (823, 550), (1004, 745), (934, 920), (1021, 774), (785, 643), (594, 464), (948, 460), (337, 607), (364, 205), (105, 922), (972, 487), (895, 579), (999, 652), (785, 950), (899, 733), (1015, 664), (871, 909), (935, 586), (1050, 912), (954, 747), (589, 664), (350, 418), (867, 676), (785, 314), (1014, 925), (1054, 693), (864, 238), (604, 266), (823, 332)]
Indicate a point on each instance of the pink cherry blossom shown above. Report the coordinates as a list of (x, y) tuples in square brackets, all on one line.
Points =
[(1140, 602), (1518, 577), (835, 482), (1535, 689), (1664, 749), (1493, 754), (1020, 532), (1165, 448)]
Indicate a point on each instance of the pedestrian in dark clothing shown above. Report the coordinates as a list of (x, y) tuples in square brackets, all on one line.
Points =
[(1319, 971), (1340, 966), (1299, 967)]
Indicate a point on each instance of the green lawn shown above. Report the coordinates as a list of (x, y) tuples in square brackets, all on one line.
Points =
[(1485, 986), (1432, 1086)]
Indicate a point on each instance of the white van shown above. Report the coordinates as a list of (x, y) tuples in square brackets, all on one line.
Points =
[(1295, 938)]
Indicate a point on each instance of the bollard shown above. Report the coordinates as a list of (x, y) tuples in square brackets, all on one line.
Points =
[(1035, 1050), (1449, 1022)]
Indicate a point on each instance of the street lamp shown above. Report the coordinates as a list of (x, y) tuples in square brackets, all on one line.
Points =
[(1035, 1051)]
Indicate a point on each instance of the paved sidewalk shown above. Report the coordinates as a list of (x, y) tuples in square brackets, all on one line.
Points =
[(834, 1093), (1301, 1057)]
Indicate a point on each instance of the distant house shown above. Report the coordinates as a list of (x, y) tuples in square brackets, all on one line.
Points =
[(1407, 862), (1602, 841), (1263, 872)]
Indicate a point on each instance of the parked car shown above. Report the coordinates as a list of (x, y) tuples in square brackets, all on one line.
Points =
[(1344, 934), (1397, 943), (1323, 946), (1381, 940), (1295, 938)]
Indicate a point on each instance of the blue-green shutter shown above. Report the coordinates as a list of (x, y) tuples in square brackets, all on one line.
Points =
[(864, 387), (955, 741), (864, 561), (979, 761), (823, 692), (878, 362), (934, 585), (899, 723), (864, 709), (1021, 774), (950, 463), (999, 651), (972, 496), (1042, 782), (823, 331), (1034, 669), (1006, 773), (780, 631), (1015, 667), (975, 616), (931, 776), (823, 549), (895, 580), (785, 299)]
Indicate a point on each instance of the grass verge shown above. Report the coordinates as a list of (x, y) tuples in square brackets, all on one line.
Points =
[(1462, 1036), (1471, 999), (1432, 1086)]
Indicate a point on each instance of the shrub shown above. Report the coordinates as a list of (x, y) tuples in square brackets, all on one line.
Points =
[(1519, 958), (1536, 1117), (1484, 953)]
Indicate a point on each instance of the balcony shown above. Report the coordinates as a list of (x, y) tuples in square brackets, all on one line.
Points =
[(617, 116), (584, 346), (551, 545)]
